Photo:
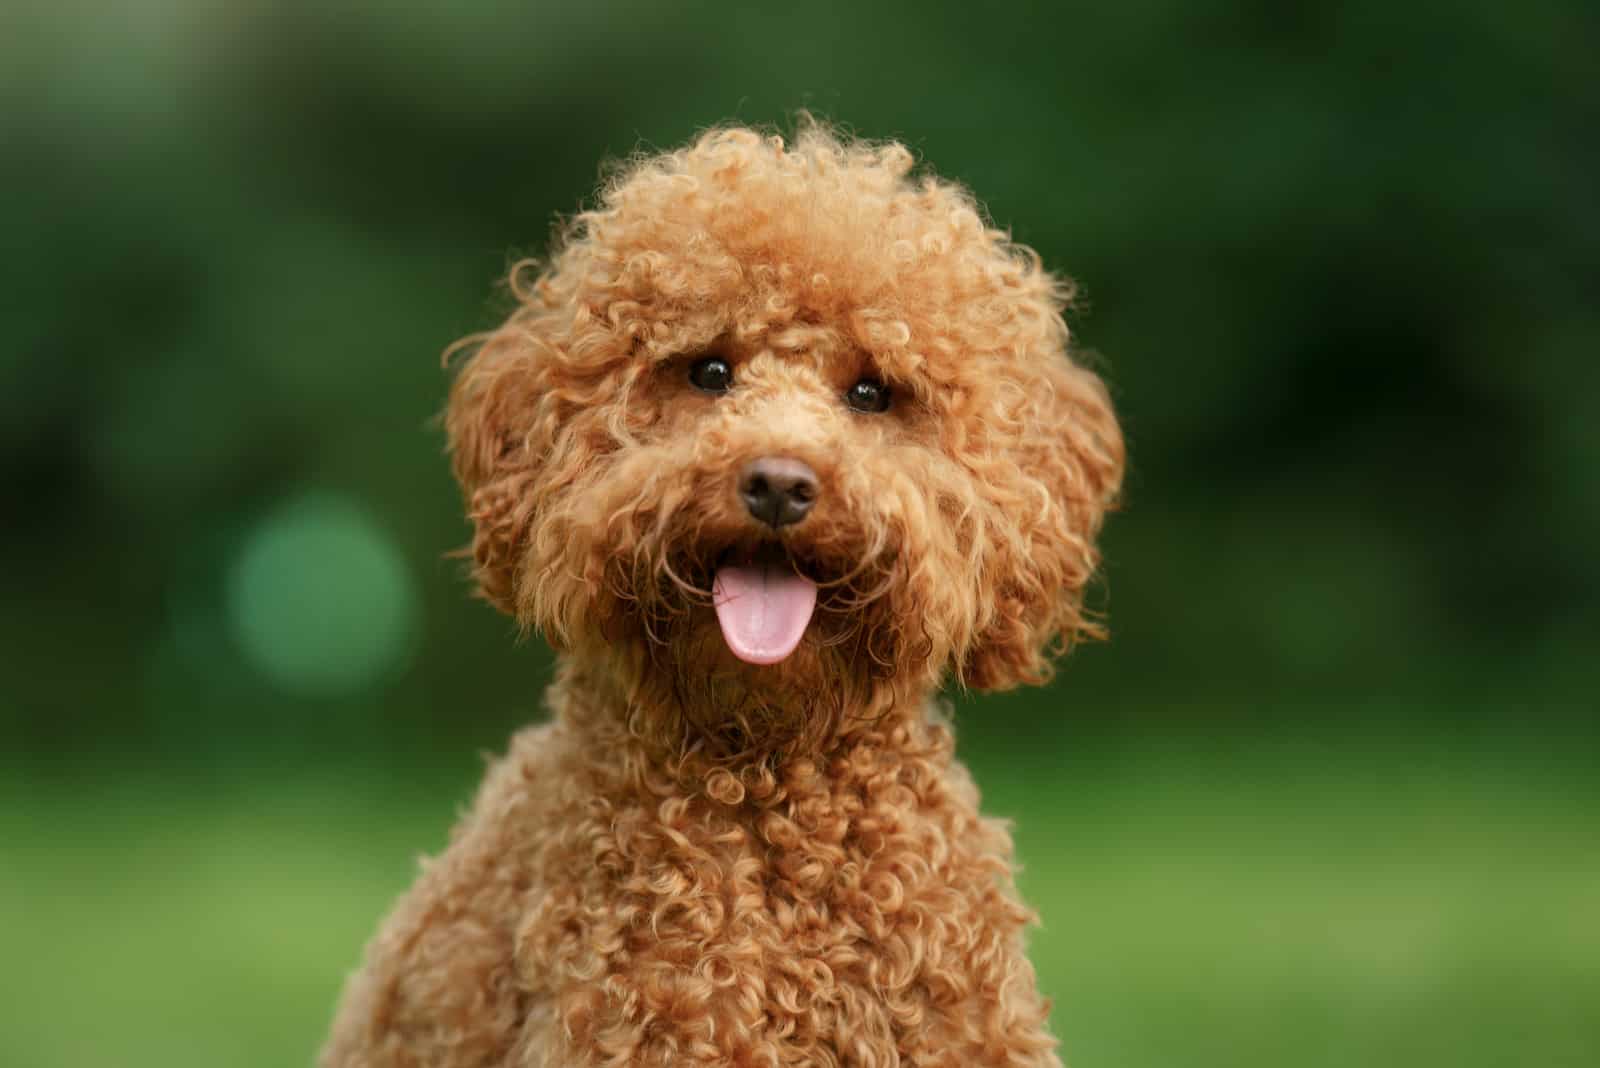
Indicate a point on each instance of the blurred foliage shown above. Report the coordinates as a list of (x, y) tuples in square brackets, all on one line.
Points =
[(1340, 264)]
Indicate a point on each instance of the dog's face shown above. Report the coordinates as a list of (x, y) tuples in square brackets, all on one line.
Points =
[(787, 436)]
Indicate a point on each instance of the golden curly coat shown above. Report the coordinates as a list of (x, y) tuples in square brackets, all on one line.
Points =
[(702, 860)]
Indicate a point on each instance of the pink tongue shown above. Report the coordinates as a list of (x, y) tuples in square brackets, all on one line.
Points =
[(763, 610)]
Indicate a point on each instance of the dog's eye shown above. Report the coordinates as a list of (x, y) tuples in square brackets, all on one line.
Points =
[(868, 395), (711, 374)]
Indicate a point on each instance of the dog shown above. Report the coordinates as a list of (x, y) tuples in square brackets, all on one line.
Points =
[(781, 438)]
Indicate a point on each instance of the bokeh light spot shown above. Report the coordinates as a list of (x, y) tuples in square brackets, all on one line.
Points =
[(320, 599)]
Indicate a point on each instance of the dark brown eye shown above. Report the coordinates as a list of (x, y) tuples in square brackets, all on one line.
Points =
[(868, 395), (711, 374)]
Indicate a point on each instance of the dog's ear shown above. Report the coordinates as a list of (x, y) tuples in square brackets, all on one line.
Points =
[(489, 420), (1069, 461)]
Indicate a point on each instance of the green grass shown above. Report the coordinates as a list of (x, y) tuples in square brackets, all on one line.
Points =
[(1344, 904), (1358, 901)]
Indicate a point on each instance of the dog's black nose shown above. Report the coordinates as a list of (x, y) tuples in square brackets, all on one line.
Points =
[(777, 490)]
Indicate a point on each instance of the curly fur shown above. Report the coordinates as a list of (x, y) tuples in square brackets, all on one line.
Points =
[(700, 861)]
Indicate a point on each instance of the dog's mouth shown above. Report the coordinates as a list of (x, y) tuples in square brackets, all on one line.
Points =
[(763, 603)]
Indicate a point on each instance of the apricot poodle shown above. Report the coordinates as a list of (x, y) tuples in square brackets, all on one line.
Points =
[(780, 438)]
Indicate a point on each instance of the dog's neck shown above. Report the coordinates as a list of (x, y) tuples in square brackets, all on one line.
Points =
[(614, 696)]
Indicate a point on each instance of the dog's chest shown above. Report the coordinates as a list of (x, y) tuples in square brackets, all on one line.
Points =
[(862, 910)]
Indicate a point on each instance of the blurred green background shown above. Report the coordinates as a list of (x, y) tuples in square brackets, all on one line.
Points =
[(1329, 797)]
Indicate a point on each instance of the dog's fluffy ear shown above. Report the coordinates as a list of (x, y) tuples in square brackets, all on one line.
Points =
[(1070, 459), (488, 420)]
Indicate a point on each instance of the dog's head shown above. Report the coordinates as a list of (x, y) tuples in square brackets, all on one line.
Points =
[(787, 433)]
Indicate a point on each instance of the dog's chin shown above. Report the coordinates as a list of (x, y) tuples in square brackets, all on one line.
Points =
[(718, 701), (699, 657), (810, 664), (771, 671)]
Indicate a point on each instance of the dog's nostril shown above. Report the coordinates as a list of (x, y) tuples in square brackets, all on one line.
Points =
[(778, 490)]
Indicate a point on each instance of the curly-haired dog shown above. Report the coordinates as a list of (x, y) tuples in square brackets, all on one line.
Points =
[(778, 439)]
